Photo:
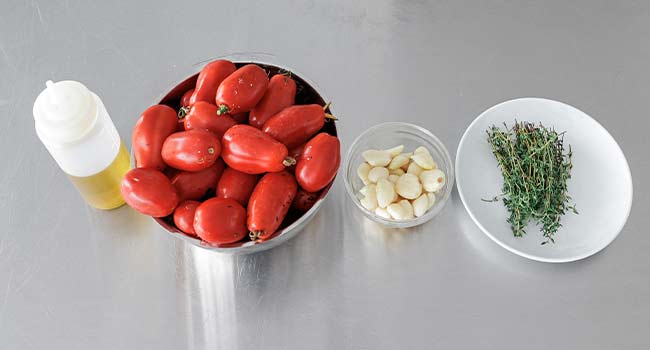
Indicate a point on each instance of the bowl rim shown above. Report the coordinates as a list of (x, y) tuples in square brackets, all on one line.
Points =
[(295, 227), (430, 214)]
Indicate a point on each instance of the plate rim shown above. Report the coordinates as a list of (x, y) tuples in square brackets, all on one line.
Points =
[(517, 251)]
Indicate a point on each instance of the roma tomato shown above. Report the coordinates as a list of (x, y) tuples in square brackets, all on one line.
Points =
[(184, 216), (185, 99), (294, 125), (155, 124), (209, 79), (319, 162), (251, 151), (180, 125), (149, 191), (220, 221), (195, 184), (242, 90), (295, 154), (269, 203), (280, 94), (304, 200), (203, 115), (236, 185), (191, 150)]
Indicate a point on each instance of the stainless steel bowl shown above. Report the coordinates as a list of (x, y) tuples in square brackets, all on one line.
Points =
[(295, 222)]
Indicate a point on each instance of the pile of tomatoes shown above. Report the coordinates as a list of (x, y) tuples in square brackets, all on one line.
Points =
[(237, 156)]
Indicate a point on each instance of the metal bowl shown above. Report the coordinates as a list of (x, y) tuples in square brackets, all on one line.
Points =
[(295, 221)]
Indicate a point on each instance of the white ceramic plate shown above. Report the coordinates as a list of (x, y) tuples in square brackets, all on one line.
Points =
[(601, 184)]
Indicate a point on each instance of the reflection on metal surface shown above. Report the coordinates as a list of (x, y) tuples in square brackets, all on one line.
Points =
[(210, 294), (222, 295)]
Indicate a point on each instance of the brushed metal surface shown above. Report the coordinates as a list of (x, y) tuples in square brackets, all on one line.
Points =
[(75, 278)]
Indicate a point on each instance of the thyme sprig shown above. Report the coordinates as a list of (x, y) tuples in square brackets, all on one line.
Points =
[(535, 166)]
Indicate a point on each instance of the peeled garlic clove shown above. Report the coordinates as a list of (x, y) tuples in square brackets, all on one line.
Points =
[(421, 150), (422, 157), (377, 173), (364, 190), (398, 162), (370, 200), (376, 158), (408, 208), (397, 172), (432, 199), (363, 170), (414, 169), (385, 193), (407, 155), (408, 186), (420, 205), (432, 180), (382, 213), (401, 210), (397, 211), (395, 151), (393, 178)]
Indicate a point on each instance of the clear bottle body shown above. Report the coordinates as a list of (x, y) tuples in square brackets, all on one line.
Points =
[(84, 142), (102, 190)]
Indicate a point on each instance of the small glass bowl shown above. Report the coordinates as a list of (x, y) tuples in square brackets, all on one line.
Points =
[(387, 135)]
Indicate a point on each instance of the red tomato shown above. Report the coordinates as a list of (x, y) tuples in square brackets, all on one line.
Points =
[(155, 124), (184, 216), (295, 153), (195, 184), (203, 115), (251, 151), (294, 125), (241, 90), (304, 200), (240, 118), (236, 185), (185, 99), (209, 79), (280, 94), (220, 221), (191, 150), (319, 162), (149, 191), (180, 125), (270, 203)]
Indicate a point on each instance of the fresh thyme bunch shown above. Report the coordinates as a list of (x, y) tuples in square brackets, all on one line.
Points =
[(535, 166)]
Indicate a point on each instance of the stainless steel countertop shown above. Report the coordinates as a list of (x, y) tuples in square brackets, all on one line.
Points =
[(76, 278)]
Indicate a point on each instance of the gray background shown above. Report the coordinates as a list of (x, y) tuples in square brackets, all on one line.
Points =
[(76, 278)]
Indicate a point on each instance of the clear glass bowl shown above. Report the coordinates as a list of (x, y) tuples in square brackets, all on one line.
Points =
[(387, 135), (295, 221)]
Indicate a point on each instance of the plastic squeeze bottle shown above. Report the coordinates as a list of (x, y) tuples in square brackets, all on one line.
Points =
[(76, 129)]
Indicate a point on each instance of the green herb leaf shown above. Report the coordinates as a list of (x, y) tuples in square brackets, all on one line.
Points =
[(535, 166)]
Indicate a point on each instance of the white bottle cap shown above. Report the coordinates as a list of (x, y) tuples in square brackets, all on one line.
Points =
[(64, 112)]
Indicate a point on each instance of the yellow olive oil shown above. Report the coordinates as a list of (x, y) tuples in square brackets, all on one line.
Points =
[(102, 190)]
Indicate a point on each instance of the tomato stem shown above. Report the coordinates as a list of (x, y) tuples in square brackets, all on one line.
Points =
[(289, 161), (182, 112), (223, 109), (254, 235), (329, 117)]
